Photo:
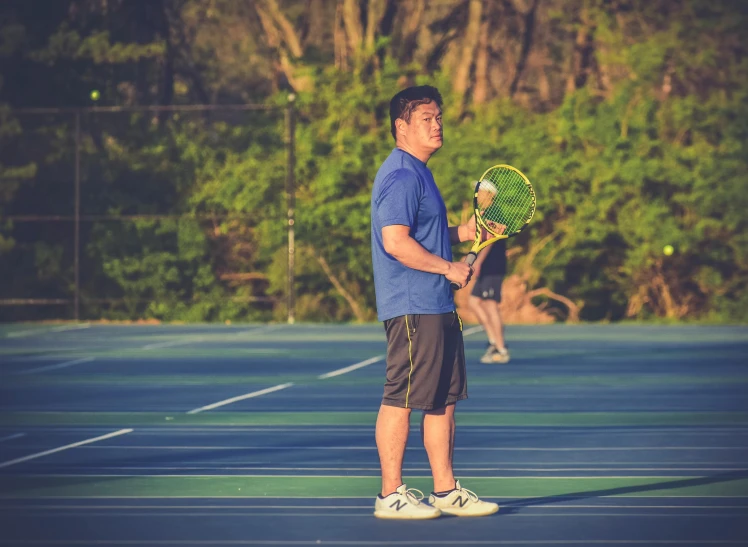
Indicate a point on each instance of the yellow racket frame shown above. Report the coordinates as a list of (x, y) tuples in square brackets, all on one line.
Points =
[(479, 245)]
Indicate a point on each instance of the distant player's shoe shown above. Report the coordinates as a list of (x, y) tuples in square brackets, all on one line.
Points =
[(461, 502), (488, 355), (404, 504), (500, 356)]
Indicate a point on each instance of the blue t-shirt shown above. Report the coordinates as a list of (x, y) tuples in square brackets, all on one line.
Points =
[(405, 193)]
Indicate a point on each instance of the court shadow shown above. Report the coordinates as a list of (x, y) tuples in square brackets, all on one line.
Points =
[(514, 506)]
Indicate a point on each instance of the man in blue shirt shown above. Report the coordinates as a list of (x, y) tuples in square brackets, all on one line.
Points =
[(413, 268)]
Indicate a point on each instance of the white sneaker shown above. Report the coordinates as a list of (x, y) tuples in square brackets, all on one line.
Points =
[(403, 504), (463, 503), (487, 357), (501, 356)]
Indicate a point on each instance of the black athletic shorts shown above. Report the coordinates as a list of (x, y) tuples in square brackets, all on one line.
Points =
[(425, 361), (488, 287)]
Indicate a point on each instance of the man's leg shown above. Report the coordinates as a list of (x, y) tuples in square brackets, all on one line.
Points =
[(393, 426), (438, 434)]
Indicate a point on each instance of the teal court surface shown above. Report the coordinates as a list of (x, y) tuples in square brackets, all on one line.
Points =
[(213, 435)]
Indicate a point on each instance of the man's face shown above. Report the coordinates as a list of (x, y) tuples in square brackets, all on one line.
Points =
[(424, 132)]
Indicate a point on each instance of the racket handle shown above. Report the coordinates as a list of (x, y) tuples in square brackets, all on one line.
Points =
[(469, 259)]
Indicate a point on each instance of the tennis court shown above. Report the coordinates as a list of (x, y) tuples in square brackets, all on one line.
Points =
[(264, 435)]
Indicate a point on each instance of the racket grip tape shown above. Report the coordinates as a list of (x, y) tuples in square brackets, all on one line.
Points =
[(469, 259)]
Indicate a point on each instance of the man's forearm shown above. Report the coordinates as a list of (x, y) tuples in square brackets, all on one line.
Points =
[(410, 253)]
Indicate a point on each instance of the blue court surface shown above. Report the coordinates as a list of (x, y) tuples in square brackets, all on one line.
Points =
[(212, 435)]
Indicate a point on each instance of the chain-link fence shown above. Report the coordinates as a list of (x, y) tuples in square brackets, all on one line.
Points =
[(122, 213)]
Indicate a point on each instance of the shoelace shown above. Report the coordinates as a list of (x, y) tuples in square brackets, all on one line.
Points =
[(472, 496), (410, 494)]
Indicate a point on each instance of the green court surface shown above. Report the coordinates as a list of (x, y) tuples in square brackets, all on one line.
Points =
[(264, 435), (35, 486)]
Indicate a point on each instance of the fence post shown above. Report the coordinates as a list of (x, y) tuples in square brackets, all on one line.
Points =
[(291, 203), (77, 221)]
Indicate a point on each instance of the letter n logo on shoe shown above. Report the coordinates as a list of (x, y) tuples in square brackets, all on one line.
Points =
[(461, 501), (399, 504)]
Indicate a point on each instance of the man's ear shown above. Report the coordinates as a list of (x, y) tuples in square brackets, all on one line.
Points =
[(401, 125)]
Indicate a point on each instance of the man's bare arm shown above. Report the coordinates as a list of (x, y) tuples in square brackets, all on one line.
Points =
[(406, 250)]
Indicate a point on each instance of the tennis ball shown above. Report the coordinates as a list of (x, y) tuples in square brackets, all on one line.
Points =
[(668, 250), (95, 95)]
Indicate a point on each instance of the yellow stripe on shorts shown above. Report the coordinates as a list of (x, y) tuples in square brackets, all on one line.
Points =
[(410, 358)]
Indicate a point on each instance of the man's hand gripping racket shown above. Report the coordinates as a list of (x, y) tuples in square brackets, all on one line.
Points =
[(504, 204)]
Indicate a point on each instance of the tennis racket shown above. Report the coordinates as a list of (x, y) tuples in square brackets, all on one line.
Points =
[(504, 204)]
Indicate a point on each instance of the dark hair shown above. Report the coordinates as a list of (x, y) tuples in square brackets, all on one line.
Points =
[(405, 102)]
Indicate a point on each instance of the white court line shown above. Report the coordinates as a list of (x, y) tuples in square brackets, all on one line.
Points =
[(373, 447), (478, 466), (66, 447), (378, 358), (313, 512), (462, 541), (350, 368), (368, 477), (398, 542), (11, 437), (156, 430), (240, 398), (173, 343), (21, 333), (367, 506), (472, 330), (263, 497), (266, 328), (464, 468), (54, 367), (70, 327)]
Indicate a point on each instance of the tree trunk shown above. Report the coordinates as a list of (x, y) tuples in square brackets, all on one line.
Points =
[(317, 22), (461, 80), (353, 29), (374, 17), (357, 311), (573, 308), (281, 37), (167, 78), (529, 20), (341, 49), (480, 91), (406, 35), (288, 34), (584, 49)]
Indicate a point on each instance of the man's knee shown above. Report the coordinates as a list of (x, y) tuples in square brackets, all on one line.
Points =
[(446, 410), (394, 408)]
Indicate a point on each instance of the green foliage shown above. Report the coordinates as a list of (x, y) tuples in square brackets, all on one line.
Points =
[(652, 152), (11, 177), (68, 44)]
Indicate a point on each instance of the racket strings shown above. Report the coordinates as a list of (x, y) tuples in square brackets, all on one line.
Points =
[(503, 197)]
